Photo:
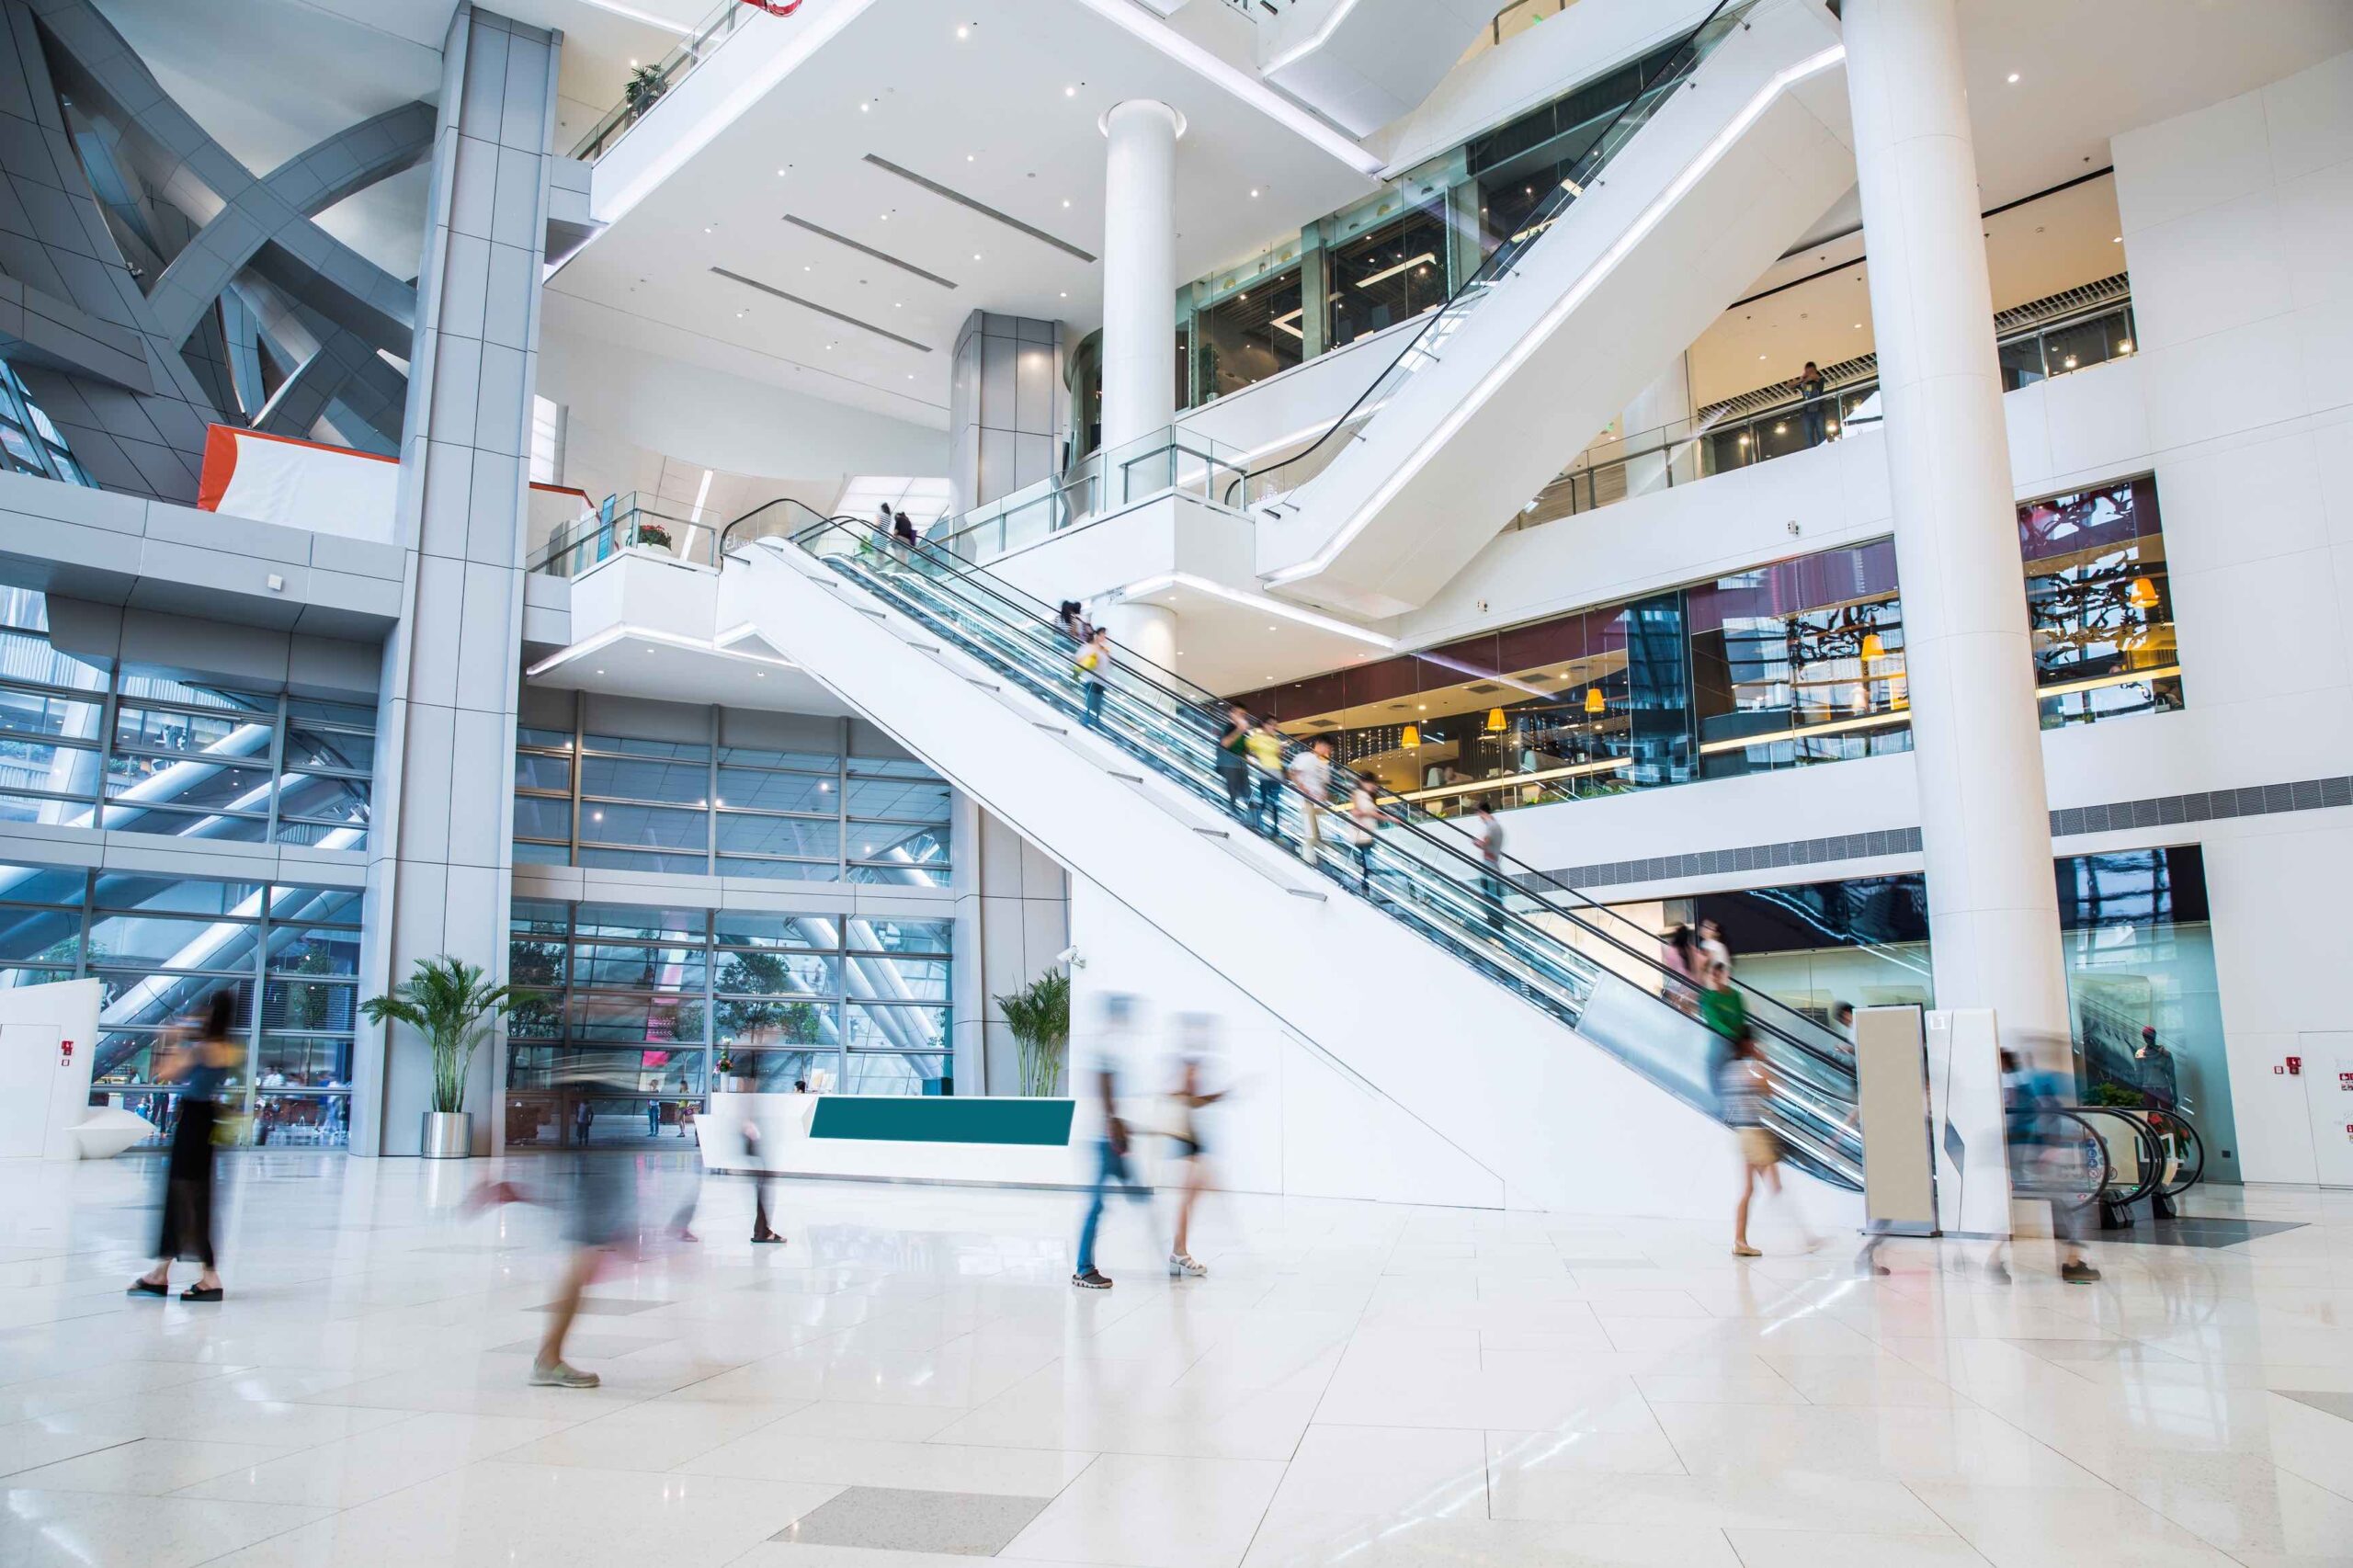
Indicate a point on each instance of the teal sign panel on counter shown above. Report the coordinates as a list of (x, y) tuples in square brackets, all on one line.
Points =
[(937, 1119)]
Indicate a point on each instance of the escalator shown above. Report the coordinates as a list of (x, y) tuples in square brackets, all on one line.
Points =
[(1580, 1063), (1730, 146)]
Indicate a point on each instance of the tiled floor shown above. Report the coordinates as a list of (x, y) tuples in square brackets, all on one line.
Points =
[(911, 1381)]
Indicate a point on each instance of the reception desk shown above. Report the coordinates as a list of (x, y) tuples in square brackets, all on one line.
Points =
[(985, 1140)]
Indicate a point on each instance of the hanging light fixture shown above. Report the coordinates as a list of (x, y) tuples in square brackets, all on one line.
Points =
[(1412, 737), (1494, 721), (1594, 701), (1872, 647), (2140, 594)]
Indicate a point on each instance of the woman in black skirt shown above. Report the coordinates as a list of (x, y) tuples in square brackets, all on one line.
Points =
[(202, 1072)]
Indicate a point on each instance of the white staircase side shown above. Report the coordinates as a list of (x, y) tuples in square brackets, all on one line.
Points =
[(1563, 1124), (1363, 64), (1724, 177)]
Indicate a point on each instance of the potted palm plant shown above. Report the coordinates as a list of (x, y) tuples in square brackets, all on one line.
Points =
[(451, 1003), (645, 87), (1039, 1016)]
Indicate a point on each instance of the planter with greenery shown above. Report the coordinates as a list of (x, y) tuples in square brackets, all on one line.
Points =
[(645, 88), (654, 534), (451, 1003), (1039, 1016)]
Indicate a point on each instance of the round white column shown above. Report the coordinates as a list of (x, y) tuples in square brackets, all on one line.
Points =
[(1140, 270), (1666, 401), (1143, 631), (1984, 815)]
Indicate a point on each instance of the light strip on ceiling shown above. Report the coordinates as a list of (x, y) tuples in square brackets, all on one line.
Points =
[(821, 309), (1284, 326), (948, 193), (1166, 580), (1316, 41), (612, 634), (681, 30), (1578, 293), (1512, 782), (2097, 682), (1129, 19), (1425, 259), (880, 255)]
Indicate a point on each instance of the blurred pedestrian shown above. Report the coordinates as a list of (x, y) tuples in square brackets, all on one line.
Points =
[(2054, 1156), (1490, 834), (1266, 748), (1233, 759), (1364, 822), (202, 1070), (1311, 774), (1743, 1090), (1092, 666), (599, 1216), (1106, 1053), (1196, 1036)]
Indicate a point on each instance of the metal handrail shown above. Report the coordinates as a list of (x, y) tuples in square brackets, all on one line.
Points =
[(1487, 271)]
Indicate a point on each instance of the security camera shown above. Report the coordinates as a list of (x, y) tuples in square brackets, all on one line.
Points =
[(1070, 956)]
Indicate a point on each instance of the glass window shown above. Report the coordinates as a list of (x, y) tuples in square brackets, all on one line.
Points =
[(781, 973), (905, 800), (873, 934), (313, 952), (27, 713), (897, 1074), (625, 745), (633, 780), (536, 816), (739, 928), (756, 757), (808, 837), (899, 979), (634, 968), (1387, 275), (781, 870), (753, 790), (653, 827), (1251, 335), (330, 750), (2099, 605), (536, 770), (641, 922)]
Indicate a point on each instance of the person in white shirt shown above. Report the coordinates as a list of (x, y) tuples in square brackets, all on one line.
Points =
[(1107, 1050), (1311, 774)]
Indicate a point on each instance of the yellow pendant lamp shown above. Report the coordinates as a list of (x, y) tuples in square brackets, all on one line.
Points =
[(1594, 701), (1494, 721), (2140, 594), (1412, 737), (1872, 647)]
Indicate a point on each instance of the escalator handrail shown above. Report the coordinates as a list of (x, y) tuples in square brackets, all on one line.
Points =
[(2174, 1119), (1210, 707), (1481, 275), (2151, 1157)]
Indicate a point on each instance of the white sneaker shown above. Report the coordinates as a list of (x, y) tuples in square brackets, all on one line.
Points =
[(561, 1375), (1182, 1264)]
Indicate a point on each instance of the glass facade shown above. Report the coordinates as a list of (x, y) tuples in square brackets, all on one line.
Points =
[(160, 946), (1252, 334), (1387, 275), (628, 1011), (592, 790), (2138, 946), (29, 443), (1794, 662), (84, 745)]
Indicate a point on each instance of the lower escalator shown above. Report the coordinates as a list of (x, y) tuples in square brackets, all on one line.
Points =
[(1585, 968)]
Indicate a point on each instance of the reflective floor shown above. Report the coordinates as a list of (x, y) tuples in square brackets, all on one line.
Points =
[(911, 1380)]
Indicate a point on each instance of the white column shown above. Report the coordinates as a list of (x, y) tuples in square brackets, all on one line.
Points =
[(1143, 631), (1665, 402), (1984, 816), (1140, 270)]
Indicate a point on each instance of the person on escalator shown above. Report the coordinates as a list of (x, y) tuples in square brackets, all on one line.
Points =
[(1266, 748), (1364, 820), (1233, 759), (902, 528), (1092, 666), (1311, 774), (1490, 859)]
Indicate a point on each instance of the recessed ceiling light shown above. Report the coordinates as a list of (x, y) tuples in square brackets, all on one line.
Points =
[(632, 62), (1065, 200), (964, 32), (707, 228), (2014, 75), (1859, 326), (1065, 293), (976, 256), (886, 217), (779, 174), (1760, 356), (969, 158), (2117, 241), (1070, 92), (1253, 193), (600, 672)]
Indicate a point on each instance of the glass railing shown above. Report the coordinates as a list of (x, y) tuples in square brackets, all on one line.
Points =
[(648, 85), (1427, 346), (1579, 960), (1688, 450), (1172, 461), (627, 521)]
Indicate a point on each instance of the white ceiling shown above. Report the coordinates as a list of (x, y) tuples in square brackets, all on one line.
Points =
[(1006, 116)]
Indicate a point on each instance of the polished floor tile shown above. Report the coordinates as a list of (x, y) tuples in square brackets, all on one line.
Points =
[(912, 1381), (884, 1518)]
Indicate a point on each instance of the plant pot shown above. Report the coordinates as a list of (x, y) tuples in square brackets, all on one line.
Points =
[(447, 1135)]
